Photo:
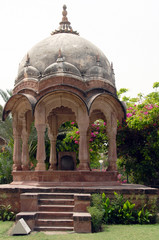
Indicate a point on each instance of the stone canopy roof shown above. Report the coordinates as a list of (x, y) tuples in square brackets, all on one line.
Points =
[(65, 53)]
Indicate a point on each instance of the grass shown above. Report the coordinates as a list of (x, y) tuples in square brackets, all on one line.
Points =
[(111, 232)]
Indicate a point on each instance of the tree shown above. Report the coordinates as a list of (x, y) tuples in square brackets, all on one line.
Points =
[(6, 133), (138, 139), (6, 127)]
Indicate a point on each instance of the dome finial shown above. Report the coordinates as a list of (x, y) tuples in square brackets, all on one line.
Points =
[(65, 25), (64, 13), (27, 62)]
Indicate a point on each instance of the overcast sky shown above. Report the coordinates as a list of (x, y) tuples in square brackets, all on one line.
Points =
[(127, 31)]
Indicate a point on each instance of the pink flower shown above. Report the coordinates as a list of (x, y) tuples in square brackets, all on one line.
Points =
[(129, 115), (77, 132), (119, 176), (93, 125), (124, 181), (96, 132), (72, 123), (91, 140), (130, 108), (150, 107), (145, 113), (76, 142), (91, 150), (104, 123), (98, 128), (93, 135), (71, 137)]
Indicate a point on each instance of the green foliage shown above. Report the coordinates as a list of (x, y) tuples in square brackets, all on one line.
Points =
[(121, 211), (98, 144), (144, 216), (121, 91), (69, 138), (6, 214), (6, 164), (138, 139), (96, 200), (96, 211), (97, 216), (156, 85), (6, 127)]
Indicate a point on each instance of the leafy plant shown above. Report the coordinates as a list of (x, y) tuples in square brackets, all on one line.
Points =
[(107, 208), (97, 218), (97, 212), (138, 138), (6, 214), (120, 211), (127, 212), (144, 216), (6, 164)]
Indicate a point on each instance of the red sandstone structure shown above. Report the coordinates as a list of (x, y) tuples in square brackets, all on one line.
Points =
[(62, 78)]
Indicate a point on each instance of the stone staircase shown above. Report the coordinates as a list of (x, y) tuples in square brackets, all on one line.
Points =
[(47, 211), (55, 212)]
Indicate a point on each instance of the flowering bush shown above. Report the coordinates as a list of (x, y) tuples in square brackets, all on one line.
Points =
[(138, 139), (97, 142), (69, 141)]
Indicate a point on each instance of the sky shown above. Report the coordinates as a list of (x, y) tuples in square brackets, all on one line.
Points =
[(127, 31)]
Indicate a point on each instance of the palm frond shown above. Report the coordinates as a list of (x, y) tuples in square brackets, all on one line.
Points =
[(5, 94)]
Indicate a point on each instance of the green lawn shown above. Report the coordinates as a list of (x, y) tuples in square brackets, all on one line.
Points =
[(111, 232)]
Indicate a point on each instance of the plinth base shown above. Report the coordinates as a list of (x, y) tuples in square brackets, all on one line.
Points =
[(62, 177)]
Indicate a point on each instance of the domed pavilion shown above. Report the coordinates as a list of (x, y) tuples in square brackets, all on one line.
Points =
[(63, 78)]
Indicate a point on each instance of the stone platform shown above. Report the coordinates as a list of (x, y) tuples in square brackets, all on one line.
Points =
[(34, 201), (10, 193), (57, 178), (41, 197)]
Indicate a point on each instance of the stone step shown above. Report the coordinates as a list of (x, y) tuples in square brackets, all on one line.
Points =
[(56, 208), (56, 196), (54, 222), (54, 215), (56, 201), (59, 229)]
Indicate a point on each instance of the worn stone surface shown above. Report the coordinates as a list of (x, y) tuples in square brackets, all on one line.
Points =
[(82, 222), (63, 78), (10, 194)]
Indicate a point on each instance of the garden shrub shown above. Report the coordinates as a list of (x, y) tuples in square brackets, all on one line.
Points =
[(6, 166), (6, 214), (97, 218), (119, 211), (96, 200), (97, 212)]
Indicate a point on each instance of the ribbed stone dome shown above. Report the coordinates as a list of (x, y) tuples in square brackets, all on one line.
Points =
[(80, 58), (60, 66)]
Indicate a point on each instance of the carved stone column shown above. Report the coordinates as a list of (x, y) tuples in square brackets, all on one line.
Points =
[(40, 155), (17, 150), (53, 157), (17, 143), (52, 127), (25, 151), (84, 151), (112, 151)]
